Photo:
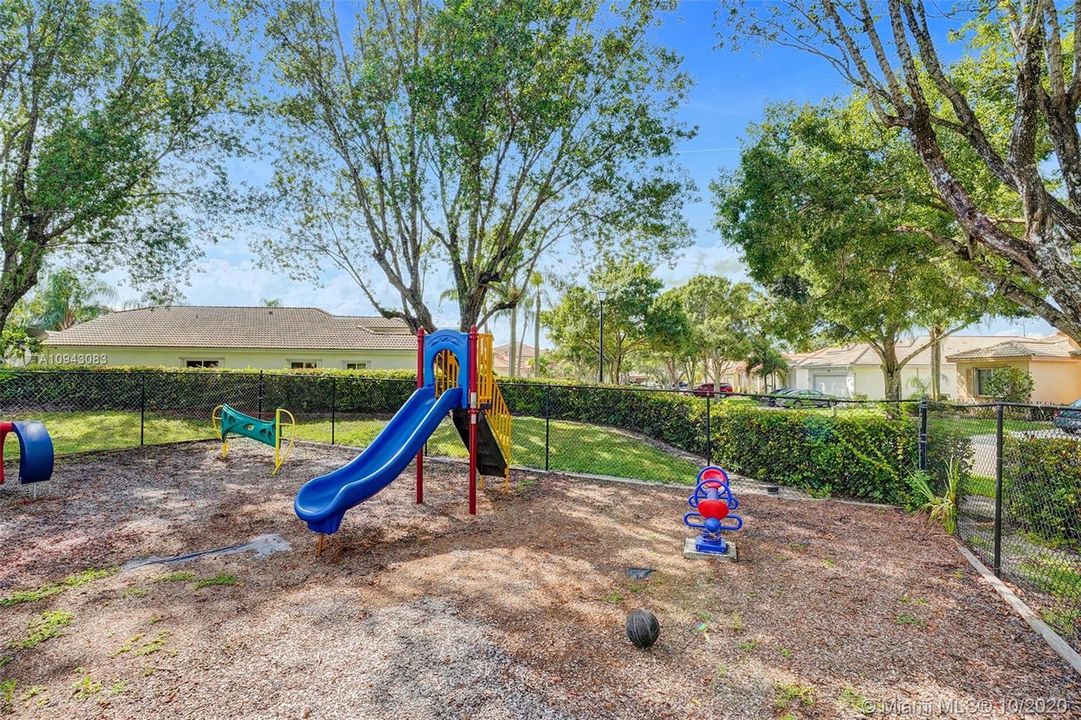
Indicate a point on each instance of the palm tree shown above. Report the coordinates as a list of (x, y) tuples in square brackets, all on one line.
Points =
[(765, 360), (272, 302), (64, 299)]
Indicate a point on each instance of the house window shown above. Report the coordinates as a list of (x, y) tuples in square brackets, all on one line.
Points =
[(981, 376), (356, 366), (303, 364), (201, 363)]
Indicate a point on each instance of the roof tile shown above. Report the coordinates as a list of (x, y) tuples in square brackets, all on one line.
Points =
[(277, 328)]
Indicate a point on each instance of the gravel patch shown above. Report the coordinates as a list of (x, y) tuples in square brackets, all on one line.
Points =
[(424, 611)]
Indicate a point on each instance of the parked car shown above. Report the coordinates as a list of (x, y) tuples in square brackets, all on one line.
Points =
[(796, 398), (708, 389), (1069, 420), (774, 398), (806, 398)]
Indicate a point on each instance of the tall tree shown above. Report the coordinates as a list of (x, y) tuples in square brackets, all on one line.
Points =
[(676, 352), (635, 316), (476, 133), (722, 318), (833, 217), (1010, 102), (111, 125), (65, 299), (765, 360)]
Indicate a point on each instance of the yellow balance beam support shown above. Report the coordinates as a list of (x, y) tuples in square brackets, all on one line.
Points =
[(215, 422), (279, 456)]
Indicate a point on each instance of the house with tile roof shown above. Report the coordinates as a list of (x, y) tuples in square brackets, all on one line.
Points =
[(234, 337), (501, 360), (1053, 361), (855, 370)]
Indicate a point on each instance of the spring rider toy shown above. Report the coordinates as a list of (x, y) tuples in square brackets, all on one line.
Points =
[(712, 504)]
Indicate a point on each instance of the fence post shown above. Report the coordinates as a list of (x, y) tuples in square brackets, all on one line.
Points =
[(709, 435), (142, 409), (547, 423), (997, 565), (333, 406), (923, 434), (259, 412)]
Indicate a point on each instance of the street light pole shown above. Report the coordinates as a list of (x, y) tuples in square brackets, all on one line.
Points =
[(601, 294)]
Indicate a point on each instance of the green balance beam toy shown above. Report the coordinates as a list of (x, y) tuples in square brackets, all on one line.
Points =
[(230, 421)]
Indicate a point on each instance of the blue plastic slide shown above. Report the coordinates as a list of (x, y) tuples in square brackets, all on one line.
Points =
[(322, 501)]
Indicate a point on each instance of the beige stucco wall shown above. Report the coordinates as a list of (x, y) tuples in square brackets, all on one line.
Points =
[(233, 359), (1054, 381), (867, 379)]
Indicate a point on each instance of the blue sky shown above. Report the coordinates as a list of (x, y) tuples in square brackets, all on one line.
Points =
[(731, 89)]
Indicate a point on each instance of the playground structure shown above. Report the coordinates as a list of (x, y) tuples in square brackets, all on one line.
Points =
[(35, 450), (454, 376), (712, 503), (228, 420)]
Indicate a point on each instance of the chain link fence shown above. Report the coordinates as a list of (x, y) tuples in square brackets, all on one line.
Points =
[(1018, 488), (1015, 469)]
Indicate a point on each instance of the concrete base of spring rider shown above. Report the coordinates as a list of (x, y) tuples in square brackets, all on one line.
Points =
[(693, 550)]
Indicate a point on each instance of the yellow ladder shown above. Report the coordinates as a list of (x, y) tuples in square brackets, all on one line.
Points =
[(491, 399)]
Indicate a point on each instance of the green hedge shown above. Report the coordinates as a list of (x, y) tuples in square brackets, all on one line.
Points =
[(865, 455), (677, 420), (1041, 486), (857, 454), (194, 391), (861, 454)]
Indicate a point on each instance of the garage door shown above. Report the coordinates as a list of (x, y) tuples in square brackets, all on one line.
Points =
[(830, 384)]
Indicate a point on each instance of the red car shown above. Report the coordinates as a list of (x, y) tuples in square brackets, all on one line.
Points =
[(708, 389)]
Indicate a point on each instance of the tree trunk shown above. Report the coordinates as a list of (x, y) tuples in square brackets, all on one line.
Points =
[(525, 331), (671, 364), (536, 337), (891, 371), (469, 308), (936, 362), (512, 364), (5, 312), (19, 276)]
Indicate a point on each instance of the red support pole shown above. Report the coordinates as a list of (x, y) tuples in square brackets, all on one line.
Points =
[(420, 384), (5, 428), (473, 410)]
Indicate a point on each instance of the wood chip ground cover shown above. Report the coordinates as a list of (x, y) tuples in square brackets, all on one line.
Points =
[(423, 611)]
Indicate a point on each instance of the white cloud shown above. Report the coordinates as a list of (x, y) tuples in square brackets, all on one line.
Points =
[(714, 259)]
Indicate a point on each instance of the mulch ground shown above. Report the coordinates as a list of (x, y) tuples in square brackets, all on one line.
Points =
[(833, 610)]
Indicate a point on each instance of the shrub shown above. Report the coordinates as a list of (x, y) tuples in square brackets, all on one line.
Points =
[(942, 509), (1041, 486), (949, 450), (862, 455), (1010, 384)]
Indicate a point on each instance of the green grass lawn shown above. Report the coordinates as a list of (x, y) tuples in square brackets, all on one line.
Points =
[(979, 485), (82, 432), (983, 426), (575, 447)]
